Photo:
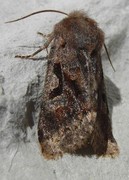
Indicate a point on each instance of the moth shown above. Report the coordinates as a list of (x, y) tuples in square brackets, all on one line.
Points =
[(74, 110)]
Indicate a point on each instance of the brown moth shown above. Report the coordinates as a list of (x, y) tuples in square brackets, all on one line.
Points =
[(74, 111)]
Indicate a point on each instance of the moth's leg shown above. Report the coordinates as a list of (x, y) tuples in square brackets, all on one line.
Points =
[(30, 46), (30, 56), (44, 35)]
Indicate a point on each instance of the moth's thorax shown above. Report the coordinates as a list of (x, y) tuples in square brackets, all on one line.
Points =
[(80, 32)]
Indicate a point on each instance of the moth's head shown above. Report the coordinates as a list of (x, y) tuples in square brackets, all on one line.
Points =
[(79, 31)]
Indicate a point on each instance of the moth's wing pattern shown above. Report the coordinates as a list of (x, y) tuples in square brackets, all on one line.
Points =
[(67, 117)]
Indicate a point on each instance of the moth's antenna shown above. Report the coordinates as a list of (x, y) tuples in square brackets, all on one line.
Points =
[(37, 12), (108, 56)]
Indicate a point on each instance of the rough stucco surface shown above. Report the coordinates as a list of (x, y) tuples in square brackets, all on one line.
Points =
[(21, 84)]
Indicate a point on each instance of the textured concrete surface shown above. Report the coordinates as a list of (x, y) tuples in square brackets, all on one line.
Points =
[(21, 84)]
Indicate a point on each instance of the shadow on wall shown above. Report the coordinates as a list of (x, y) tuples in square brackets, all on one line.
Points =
[(113, 94)]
